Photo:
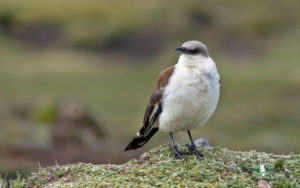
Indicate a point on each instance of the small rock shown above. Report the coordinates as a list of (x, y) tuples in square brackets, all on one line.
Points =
[(263, 184), (202, 142)]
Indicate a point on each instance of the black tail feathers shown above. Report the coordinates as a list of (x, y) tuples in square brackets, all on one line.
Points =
[(139, 141)]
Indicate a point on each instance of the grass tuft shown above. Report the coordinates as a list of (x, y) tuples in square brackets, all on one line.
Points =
[(220, 168)]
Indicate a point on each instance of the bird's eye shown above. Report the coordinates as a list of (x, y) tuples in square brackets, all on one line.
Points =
[(194, 51)]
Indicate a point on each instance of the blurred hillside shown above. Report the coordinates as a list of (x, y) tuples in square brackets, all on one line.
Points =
[(106, 56)]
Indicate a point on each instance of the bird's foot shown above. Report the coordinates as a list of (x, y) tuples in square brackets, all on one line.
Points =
[(177, 152), (193, 149)]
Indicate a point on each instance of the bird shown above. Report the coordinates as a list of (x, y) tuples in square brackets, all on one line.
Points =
[(185, 97)]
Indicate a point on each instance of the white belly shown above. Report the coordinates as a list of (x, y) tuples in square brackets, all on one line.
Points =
[(189, 100)]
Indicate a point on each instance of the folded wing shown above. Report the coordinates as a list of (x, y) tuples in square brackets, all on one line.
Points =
[(154, 109)]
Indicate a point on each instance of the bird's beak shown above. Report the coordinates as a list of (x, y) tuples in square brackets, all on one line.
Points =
[(182, 49)]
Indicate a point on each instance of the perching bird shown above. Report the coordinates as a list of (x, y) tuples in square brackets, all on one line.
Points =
[(185, 97)]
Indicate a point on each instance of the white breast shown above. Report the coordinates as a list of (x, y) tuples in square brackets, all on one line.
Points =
[(192, 94)]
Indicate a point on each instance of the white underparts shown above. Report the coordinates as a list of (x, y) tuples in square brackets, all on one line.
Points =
[(191, 95)]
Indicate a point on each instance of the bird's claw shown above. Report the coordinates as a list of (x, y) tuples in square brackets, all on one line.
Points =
[(193, 149), (177, 152)]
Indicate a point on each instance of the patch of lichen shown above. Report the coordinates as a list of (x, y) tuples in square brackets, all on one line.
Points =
[(220, 168)]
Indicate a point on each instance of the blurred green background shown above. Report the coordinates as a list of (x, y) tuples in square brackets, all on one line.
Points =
[(76, 76)]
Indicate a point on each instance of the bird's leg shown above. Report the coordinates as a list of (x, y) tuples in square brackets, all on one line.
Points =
[(174, 148), (192, 147)]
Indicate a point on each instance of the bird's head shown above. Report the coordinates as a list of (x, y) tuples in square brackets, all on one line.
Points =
[(193, 48)]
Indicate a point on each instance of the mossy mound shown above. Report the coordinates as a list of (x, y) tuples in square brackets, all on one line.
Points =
[(220, 168)]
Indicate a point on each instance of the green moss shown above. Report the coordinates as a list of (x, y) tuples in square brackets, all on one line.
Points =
[(220, 168), (279, 164)]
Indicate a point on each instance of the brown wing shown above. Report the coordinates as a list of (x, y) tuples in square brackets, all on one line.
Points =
[(154, 107), (153, 111)]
